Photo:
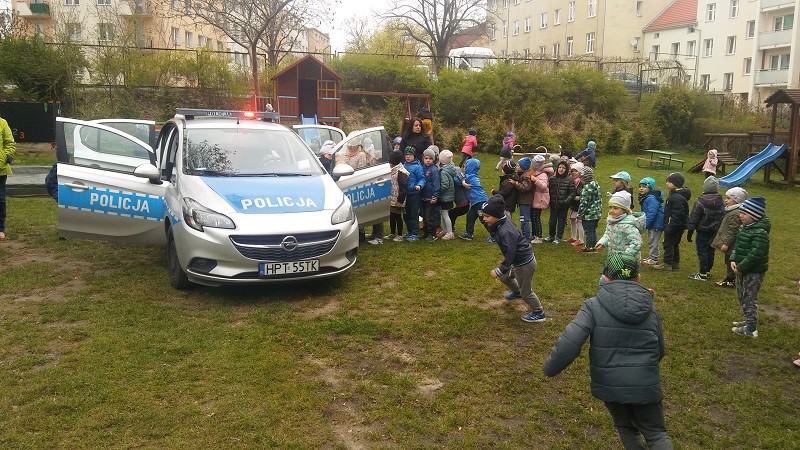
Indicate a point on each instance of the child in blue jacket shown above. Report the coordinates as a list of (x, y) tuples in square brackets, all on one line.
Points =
[(416, 181), (652, 202), (430, 194), (475, 194)]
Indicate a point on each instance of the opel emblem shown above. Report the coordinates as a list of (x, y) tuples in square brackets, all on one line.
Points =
[(289, 243)]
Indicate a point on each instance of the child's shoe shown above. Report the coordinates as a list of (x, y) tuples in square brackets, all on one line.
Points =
[(511, 295), (547, 239), (797, 362), (587, 250), (389, 237), (412, 238), (440, 234), (577, 243), (536, 240), (534, 317), (398, 238), (726, 283), (465, 236), (448, 237), (570, 240), (740, 324), (745, 332), (489, 240), (649, 262), (376, 241), (698, 277), (663, 266), (430, 238), (556, 241)]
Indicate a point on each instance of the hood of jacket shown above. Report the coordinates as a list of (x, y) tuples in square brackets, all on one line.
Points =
[(658, 195), (472, 166), (410, 165), (451, 169), (637, 219), (564, 163), (685, 192), (628, 301), (762, 223)]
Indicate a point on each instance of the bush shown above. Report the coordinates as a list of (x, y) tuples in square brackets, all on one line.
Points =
[(615, 142), (41, 72)]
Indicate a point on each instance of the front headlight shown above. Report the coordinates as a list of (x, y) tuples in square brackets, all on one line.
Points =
[(198, 216), (344, 213)]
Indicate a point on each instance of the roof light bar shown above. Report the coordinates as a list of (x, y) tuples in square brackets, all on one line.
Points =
[(190, 113)]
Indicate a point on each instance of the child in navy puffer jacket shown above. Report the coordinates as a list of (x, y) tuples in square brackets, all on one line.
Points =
[(416, 181)]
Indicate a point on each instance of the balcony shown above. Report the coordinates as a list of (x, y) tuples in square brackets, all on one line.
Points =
[(775, 39), (769, 5), (772, 77), (33, 9), (135, 8)]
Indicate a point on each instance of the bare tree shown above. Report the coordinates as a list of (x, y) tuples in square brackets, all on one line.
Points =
[(435, 23), (284, 34)]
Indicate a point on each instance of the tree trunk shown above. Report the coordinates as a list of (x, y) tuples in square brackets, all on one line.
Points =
[(254, 66)]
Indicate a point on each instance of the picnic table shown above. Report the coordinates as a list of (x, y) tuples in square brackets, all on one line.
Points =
[(659, 159)]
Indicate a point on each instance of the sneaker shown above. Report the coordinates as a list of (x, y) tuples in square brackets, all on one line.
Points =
[(398, 238), (489, 240), (663, 266), (745, 332), (587, 250), (389, 237), (698, 277), (797, 362), (536, 240), (547, 239), (740, 324), (649, 262), (511, 295), (465, 236), (440, 234), (570, 240), (412, 238), (577, 243), (376, 241), (431, 238), (726, 283), (534, 317), (448, 237), (556, 242)]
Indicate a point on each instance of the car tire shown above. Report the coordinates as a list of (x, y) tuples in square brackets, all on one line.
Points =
[(177, 277)]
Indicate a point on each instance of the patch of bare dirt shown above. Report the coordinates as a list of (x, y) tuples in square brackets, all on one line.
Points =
[(324, 310), (430, 273), (428, 386), (782, 313), (741, 368)]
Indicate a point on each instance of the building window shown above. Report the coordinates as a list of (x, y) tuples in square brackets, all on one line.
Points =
[(748, 66), (639, 7), (74, 31), (751, 29), (690, 49), (105, 32), (727, 81), (526, 53), (175, 36), (516, 2), (592, 8), (636, 41), (781, 22), (779, 62), (220, 47), (38, 30), (505, 3), (542, 51), (570, 46), (571, 12), (711, 12), (543, 23), (590, 42), (72, 2), (708, 47), (515, 30), (730, 45), (104, 2), (505, 28), (705, 81), (556, 49), (527, 24), (201, 41), (557, 17), (675, 48), (655, 51), (734, 11), (188, 37)]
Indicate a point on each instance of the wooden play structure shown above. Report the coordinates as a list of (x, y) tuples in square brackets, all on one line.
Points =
[(789, 97), (308, 91), (408, 96)]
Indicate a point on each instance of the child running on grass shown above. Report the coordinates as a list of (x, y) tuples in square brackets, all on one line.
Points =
[(468, 145), (725, 239), (519, 264), (505, 151), (750, 261)]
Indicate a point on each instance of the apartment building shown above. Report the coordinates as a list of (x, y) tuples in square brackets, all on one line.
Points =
[(570, 28), (776, 61)]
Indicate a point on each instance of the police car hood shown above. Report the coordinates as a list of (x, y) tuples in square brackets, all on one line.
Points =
[(265, 194)]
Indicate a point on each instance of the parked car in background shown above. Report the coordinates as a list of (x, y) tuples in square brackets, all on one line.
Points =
[(632, 82)]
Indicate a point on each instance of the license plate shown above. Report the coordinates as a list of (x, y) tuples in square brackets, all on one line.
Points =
[(283, 268)]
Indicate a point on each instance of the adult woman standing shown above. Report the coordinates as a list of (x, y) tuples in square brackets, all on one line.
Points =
[(417, 138)]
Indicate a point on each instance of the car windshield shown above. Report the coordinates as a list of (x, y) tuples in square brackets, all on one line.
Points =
[(240, 151)]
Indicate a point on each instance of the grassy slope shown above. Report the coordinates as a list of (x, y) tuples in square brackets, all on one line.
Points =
[(414, 348)]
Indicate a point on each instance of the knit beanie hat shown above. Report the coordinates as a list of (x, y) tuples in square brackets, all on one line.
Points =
[(509, 167), (650, 182), (525, 163), (446, 157), (566, 153), (587, 175), (677, 179), (397, 140), (327, 147), (711, 184), (591, 144), (473, 132), (429, 152), (411, 150), (619, 266), (737, 194), (624, 176), (538, 162), (621, 199), (395, 157), (510, 134), (495, 207), (755, 207), (554, 160), (577, 166)]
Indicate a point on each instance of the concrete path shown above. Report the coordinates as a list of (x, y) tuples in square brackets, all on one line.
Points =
[(27, 181)]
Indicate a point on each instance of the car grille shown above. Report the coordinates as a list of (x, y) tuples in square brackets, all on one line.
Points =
[(270, 248)]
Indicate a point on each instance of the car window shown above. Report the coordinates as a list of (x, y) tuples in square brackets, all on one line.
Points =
[(246, 152), (99, 148), (140, 131), (315, 137), (364, 150)]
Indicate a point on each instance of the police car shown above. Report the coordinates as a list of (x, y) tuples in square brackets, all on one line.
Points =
[(233, 197)]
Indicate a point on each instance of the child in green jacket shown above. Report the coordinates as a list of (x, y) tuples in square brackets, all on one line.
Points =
[(750, 261)]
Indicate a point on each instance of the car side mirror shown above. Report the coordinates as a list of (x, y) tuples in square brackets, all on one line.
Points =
[(148, 171), (341, 170)]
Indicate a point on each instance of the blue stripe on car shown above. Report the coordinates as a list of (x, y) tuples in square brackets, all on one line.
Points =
[(112, 202), (270, 195)]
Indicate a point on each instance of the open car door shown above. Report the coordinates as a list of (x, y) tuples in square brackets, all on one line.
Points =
[(144, 130), (370, 187), (320, 133), (109, 186)]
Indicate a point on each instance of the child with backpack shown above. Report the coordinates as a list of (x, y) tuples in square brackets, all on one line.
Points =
[(590, 209), (505, 151), (475, 194)]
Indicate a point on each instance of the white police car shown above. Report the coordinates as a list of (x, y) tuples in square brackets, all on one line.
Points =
[(235, 199)]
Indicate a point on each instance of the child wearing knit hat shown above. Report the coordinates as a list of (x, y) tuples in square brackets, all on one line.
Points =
[(542, 172), (397, 200), (576, 226), (507, 190), (749, 261), (505, 152), (623, 235), (676, 215), (590, 208), (448, 173), (524, 185), (725, 239), (705, 218), (653, 209)]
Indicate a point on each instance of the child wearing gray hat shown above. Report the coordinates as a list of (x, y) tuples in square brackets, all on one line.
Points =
[(705, 218), (725, 238)]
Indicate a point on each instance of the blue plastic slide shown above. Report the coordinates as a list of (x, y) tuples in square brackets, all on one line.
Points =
[(751, 166)]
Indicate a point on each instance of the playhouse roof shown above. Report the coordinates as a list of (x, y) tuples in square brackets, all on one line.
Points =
[(680, 13), (791, 96), (313, 60)]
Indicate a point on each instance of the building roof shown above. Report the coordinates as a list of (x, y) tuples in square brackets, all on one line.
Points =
[(468, 36), (680, 13), (791, 96), (313, 60)]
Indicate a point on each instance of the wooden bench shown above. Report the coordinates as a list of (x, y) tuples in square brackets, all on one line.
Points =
[(650, 162), (667, 161)]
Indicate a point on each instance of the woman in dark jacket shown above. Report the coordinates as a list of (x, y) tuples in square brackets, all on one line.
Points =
[(562, 191), (417, 138)]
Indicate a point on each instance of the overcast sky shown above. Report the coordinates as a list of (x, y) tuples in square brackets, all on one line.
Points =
[(346, 11)]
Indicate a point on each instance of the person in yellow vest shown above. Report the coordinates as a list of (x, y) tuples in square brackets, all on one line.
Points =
[(6, 156)]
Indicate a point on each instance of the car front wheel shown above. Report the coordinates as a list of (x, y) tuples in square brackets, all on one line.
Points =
[(177, 277)]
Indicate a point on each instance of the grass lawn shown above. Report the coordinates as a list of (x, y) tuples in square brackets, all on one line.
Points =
[(414, 348)]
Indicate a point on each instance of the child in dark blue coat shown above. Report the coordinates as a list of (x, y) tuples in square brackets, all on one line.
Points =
[(430, 194), (653, 208), (416, 181)]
